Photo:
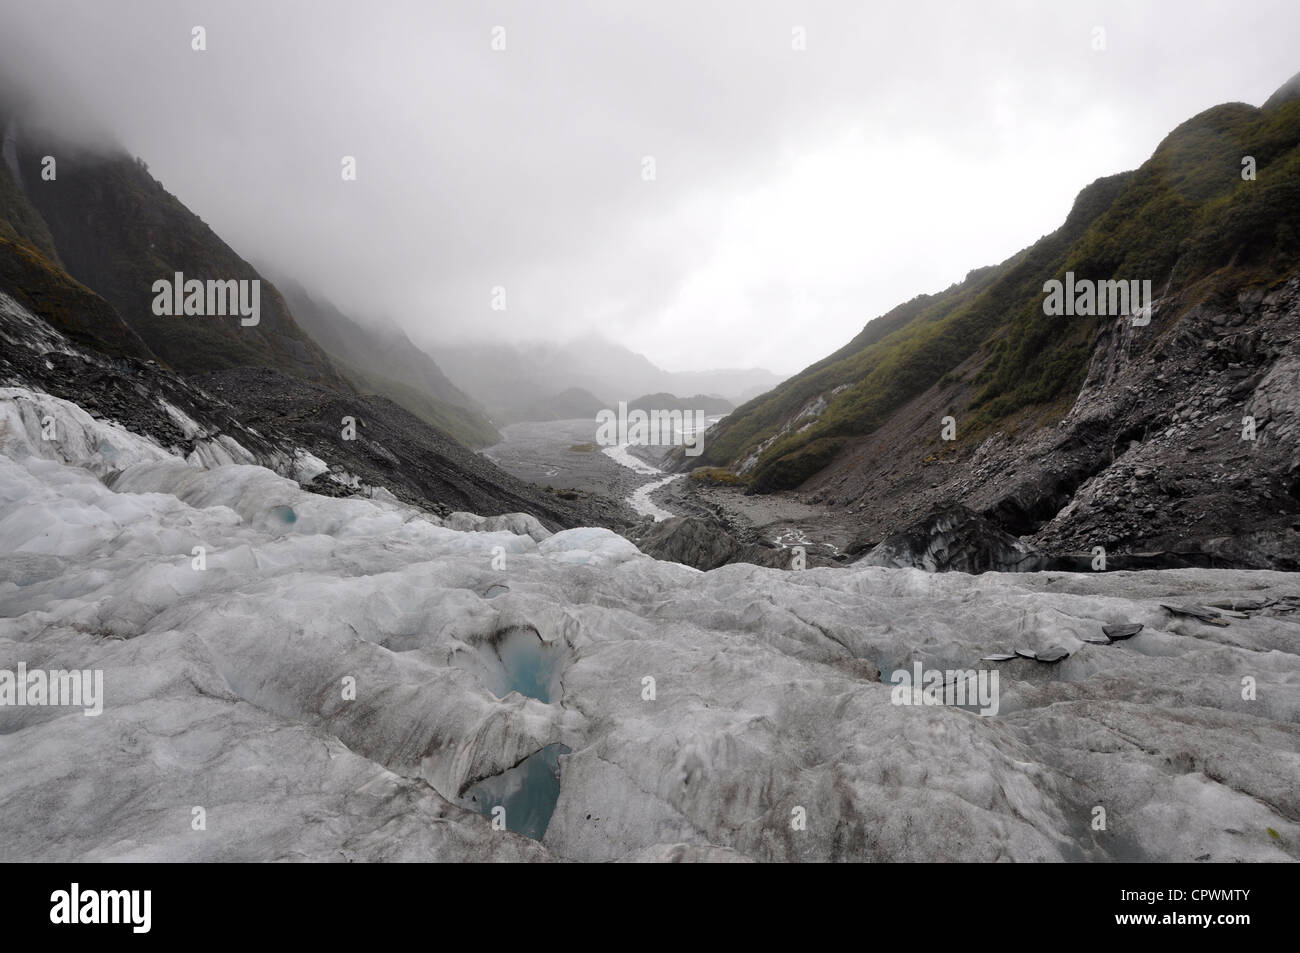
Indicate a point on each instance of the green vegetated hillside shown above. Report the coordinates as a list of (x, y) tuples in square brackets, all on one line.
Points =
[(19, 221), (31, 271), (70, 307), (117, 231), (1186, 220)]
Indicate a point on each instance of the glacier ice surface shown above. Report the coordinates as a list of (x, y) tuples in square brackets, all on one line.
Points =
[(333, 687)]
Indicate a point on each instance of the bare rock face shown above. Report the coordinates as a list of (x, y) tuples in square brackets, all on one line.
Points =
[(953, 538), (1182, 448), (1202, 427)]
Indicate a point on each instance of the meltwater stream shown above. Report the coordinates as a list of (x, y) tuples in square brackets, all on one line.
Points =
[(530, 790), (639, 499)]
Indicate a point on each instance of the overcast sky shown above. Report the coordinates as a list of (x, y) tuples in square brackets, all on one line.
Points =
[(797, 193)]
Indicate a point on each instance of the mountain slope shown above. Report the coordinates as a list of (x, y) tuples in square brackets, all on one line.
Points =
[(393, 449), (32, 272), (117, 230), (64, 303), (382, 360), (245, 415), (165, 377), (862, 429)]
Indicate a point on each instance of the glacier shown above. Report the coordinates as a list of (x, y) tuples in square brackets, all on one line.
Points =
[(342, 679)]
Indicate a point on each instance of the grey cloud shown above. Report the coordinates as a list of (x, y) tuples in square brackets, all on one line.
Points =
[(522, 168)]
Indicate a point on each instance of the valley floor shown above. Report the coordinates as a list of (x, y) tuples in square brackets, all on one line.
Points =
[(544, 453), (779, 518), (563, 454)]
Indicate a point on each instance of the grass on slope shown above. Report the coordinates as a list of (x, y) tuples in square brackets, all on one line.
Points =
[(1185, 220)]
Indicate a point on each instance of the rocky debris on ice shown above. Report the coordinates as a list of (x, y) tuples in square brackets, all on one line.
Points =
[(1208, 616), (952, 538), (723, 715), (701, 543)]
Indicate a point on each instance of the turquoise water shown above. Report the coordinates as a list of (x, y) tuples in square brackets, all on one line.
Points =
[(528, 792), (530, 666), (284, 514)]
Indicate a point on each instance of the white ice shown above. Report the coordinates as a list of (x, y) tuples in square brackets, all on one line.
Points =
[(706, 712)]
